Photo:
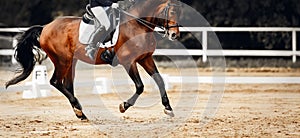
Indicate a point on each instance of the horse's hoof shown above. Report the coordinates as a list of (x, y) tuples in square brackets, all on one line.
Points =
[(84, 118), (80, 114), (77, 112), (169, 112), (122, 107)]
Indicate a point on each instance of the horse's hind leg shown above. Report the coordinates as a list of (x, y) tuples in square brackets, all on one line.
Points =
[(69, 79), (57, 81), (149, 65)]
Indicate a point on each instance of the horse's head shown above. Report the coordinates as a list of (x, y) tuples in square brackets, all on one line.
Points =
[(169, 12), (158, 13)]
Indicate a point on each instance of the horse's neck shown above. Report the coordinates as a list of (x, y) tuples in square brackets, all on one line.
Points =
[(146, 9)]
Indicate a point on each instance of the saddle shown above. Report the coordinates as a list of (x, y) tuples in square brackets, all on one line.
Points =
[(88, 17)]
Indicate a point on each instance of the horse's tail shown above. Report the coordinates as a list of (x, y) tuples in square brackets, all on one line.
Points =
[(27, 42)]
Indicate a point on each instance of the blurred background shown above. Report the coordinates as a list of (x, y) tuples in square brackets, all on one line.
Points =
[(226, 13)]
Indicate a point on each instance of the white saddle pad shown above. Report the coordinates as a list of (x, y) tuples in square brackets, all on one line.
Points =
[(86, 32)]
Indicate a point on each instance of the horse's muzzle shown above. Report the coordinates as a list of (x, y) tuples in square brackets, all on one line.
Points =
[(173, 35)]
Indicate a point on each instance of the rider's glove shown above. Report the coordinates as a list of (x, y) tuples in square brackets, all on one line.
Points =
[(115, 5)]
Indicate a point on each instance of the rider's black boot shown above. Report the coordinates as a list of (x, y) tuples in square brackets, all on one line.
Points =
[(93, 46)]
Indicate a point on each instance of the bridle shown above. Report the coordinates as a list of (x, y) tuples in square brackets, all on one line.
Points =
[(150, 25), (166, 13)]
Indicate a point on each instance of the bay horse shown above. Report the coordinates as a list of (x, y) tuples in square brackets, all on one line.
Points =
[(59, 40)]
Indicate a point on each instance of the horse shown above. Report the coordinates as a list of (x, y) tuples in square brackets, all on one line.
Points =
[(59, 40)]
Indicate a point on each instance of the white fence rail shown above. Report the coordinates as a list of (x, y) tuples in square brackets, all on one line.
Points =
[(205, 52)]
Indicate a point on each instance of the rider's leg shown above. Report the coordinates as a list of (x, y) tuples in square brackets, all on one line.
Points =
[(102, 25), (99, 36), (101, 16)]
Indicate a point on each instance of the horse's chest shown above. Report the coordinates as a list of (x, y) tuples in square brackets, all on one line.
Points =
[(147, 43)]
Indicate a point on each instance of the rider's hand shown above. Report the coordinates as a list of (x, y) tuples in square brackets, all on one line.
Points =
[(115, 5)]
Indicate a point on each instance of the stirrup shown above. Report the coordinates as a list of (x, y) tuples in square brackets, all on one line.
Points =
[(108, 56)]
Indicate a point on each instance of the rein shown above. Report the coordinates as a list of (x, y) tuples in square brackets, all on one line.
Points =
[(142, 21)]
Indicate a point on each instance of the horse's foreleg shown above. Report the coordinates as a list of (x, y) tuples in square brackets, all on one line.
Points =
[(134, 75), (149, 65), (164, 97), (57, 82)]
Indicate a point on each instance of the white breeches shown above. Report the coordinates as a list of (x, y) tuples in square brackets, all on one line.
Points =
[(100, 14)]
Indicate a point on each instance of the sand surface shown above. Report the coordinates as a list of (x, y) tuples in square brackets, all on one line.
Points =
[(241, 110)]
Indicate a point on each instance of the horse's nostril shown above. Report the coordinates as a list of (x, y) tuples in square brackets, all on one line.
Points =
[(173, 35)]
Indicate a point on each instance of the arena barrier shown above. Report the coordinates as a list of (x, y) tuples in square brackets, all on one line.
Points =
[(39, 78), (104, 85), (40, 87)]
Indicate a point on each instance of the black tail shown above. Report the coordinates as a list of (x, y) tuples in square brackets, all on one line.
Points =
[(24, 54)]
